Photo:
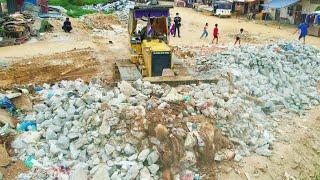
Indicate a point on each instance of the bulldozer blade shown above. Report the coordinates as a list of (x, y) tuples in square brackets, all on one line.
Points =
[(180, 80)]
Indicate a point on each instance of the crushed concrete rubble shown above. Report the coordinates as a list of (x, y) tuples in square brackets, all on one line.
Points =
[(269, 83), (282, 76), (128, 132), (189, 53), (141, 130), (120, 8)]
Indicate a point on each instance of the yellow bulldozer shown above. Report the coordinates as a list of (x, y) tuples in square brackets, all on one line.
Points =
[(151, 57)]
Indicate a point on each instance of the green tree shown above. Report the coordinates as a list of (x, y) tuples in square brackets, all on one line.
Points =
[(318, 8), (1, 1)]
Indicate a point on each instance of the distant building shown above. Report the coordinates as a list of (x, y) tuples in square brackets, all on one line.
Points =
[(246, 6), (12, 6), (291, 11)]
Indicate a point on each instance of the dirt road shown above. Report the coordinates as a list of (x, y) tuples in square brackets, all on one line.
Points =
[(58, 55), (295, 154), (193, 23)]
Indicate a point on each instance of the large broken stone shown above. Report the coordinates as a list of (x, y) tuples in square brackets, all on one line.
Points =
[(153, 157), (173, 96), (190, 141), (6, 118), (144, 173), (102, 173), (127, 89), (143, 155), (79, 174)]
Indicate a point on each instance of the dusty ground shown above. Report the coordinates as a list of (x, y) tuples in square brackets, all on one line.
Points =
[(82, 55), (193, 23), (295, 154), (59, 55)]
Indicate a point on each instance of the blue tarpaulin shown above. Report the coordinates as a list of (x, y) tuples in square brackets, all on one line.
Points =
[(280, 3)]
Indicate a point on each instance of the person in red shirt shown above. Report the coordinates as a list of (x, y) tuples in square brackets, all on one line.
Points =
[(215, 33)]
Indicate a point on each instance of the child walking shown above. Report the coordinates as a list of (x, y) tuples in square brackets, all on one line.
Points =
[(205, 31), (215, 33), (238, 37), (172, 29)]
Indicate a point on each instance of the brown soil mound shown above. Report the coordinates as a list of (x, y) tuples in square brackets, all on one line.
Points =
[(8, 168), (13, 170), (101, 21), (68, 65), (172, 151), (5, 141)]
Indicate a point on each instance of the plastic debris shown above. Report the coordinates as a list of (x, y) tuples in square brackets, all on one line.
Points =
[(29, 162), (186, 98), (38, 89), (27, 126), (7, 104)]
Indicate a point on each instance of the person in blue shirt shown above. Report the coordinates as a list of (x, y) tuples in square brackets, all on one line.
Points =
[(303, 27)]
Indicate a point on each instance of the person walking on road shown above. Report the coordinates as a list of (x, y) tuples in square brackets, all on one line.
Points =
[(303, 27), (205, 31), (177, 24), (215, 33), (172, 29), (238, 37)]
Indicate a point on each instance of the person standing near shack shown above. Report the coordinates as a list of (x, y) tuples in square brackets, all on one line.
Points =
[(303, 27), (238, 10), (177, 24), (67, 25)]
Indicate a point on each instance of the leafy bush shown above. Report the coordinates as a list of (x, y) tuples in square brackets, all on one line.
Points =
[(76, 2), (74, 6), (1, 32), (45, 26), (78, 11), (318, 8)]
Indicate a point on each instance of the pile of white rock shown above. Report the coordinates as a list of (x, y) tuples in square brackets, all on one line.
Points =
[(123, 13), (120, 8), (91, 129), (283, 75), (79, 127)]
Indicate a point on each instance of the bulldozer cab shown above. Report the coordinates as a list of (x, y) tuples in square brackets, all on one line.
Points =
[(148, 39), (151, 57), (149, 22)]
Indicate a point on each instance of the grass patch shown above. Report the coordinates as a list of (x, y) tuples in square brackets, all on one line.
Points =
[(76, 2), (78, 11), (74, 6), (109, 12), (317, 175)]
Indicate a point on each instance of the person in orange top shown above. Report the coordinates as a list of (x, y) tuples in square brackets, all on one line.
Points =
[(215, 33)]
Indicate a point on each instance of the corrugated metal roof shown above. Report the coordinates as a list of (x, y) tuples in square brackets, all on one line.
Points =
[(280, 3), (31, 1)]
